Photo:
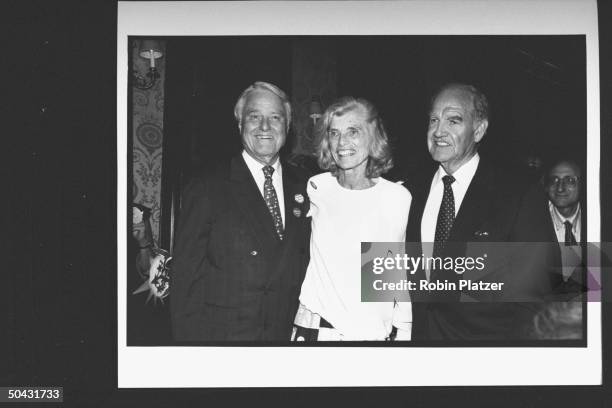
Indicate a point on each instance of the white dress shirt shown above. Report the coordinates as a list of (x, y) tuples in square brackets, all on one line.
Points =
[(571, 256), (559, 223), (463, 177), (256, 169)]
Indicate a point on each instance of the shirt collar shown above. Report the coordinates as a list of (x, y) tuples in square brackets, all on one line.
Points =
[(463, 175), (559, 220), (255, 166)]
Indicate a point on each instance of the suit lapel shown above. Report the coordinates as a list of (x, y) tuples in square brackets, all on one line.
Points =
[(248, 198), (290, 190), (286, 252), (473, 208), (551, 233), (470, 213), (583, 229), (420, 193)]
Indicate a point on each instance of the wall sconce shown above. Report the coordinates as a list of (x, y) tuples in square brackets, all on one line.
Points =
[(315, 110), (149, 50)]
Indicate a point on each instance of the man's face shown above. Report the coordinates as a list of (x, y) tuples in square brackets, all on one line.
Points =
[(453, 131), (263, 127), (563, 186), (349, 140)]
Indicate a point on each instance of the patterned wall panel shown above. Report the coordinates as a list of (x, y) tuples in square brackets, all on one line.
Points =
[(148, 125), (314, 76)]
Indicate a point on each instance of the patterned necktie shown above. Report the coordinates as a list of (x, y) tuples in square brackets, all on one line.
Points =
[(272, 201), (446, 216), (570, 239)]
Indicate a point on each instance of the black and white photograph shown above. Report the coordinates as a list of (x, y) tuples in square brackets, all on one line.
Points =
[(265, 170), (224, 203), (232, 266)]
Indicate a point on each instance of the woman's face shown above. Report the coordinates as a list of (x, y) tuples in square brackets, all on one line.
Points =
[(349, 140)]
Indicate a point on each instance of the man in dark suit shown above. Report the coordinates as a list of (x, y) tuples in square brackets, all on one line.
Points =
[(469, 200), (242, 241), (565, 221)]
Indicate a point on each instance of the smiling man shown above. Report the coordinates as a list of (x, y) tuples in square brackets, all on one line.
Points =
[(458, 121), (563, 186), (242, 239), (470, 199)]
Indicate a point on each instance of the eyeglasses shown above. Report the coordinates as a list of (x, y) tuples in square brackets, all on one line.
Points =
[(567, 181)]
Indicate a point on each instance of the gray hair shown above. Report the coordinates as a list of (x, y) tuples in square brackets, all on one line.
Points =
[(379, 161), (239, 107), (480, 104)]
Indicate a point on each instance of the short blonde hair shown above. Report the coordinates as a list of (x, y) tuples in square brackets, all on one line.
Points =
[(379, 158)]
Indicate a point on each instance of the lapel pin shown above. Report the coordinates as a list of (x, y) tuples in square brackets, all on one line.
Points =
[(481, 234), (313, 184), (299, 198), (297, 212)]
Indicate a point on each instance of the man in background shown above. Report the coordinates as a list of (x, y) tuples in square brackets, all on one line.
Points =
[(566, 221)]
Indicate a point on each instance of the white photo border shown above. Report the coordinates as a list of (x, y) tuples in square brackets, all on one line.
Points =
[(187, 367)]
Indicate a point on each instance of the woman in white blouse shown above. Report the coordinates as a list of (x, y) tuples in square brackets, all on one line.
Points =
[(350, 204)]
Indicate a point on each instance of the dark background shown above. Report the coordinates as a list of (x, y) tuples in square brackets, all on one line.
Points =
[(60, 281), (535, 85)]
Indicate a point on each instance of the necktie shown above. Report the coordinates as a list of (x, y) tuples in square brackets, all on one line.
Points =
[(272, 201), (570, 239), (446, 216)]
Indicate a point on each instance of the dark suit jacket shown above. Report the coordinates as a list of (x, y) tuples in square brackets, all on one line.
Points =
[(495, 209), (232, 278), (576, 283)]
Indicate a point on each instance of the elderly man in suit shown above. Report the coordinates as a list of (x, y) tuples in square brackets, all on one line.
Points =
[(242, 240), (469, 199)]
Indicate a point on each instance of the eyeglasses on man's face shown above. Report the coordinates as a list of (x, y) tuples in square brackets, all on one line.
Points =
[(567, 181)]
